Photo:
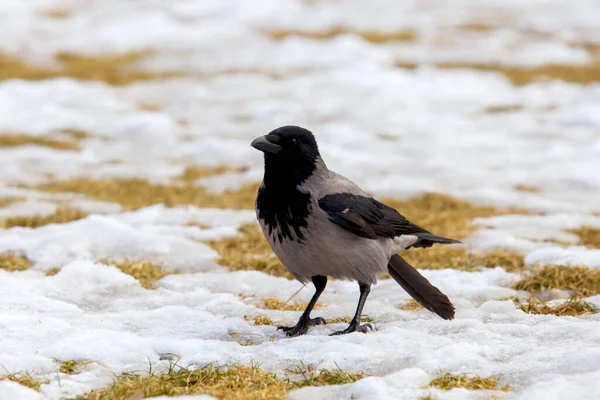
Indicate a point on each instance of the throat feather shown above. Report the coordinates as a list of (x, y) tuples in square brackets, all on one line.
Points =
[(284, 210)]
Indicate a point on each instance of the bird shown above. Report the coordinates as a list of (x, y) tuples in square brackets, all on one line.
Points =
[(320, 224)]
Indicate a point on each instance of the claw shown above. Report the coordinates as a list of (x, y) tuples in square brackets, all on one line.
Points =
[(302, 326), (354, 327)]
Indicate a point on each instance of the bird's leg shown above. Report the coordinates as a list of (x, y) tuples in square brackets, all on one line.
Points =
[(355, 325), (305, 320)]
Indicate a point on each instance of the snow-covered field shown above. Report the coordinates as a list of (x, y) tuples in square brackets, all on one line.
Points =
[(241, 69)]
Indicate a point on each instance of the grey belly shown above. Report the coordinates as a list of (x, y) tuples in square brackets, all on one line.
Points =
[(330, 250)]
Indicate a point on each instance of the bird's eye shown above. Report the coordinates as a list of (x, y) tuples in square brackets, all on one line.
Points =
[(294, 142)]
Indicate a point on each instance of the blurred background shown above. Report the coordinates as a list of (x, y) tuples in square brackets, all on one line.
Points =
[(480, 99)]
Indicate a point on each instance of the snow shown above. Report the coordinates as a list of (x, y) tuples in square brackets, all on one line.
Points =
[(417, 130)]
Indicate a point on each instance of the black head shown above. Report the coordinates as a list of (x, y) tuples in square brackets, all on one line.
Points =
[(289, 151)]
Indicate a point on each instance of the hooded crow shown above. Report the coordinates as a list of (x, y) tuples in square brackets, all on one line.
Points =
[(320, 224)]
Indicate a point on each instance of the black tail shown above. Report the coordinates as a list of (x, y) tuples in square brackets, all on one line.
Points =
[(419, 288), (427, 239)]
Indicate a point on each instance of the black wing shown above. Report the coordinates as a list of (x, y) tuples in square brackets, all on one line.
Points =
[(371, 219)]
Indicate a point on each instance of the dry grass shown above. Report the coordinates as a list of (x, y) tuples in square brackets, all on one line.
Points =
[(582, 281), (584, 74), (232, 383), (144, 271), (25, 380), (133, 194), (369, 36), (21, 139), (503, 109), (347, 319), (4, 201), (113, 69), (527, 188), (589, 236), (441, 257), (443, 214), (411, 305), (451, 217), (272, 303), (76, 134), (57, 13), (448, 381), (61, 216), (249, 251), (260, 320), (477, 27), (12, 262), (325, 377), (236, 382), (193, 173), (572, 307), (71, 367)]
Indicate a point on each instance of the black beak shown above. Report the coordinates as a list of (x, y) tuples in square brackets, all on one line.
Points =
[(266, 144)]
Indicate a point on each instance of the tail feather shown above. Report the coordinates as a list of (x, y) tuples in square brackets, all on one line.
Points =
[(427, 239), (419, 288)]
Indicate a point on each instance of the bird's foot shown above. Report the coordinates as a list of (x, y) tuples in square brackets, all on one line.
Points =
[(302, 326), (354, 326)]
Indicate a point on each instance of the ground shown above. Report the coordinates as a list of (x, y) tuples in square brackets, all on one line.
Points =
[(131, 265)]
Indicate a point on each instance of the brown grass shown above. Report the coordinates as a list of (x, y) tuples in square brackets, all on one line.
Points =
[(441, 257), (584, 74), (193, 173), (448, 381), (113, 69), (325, 377), (71, 367), (144, 271), (503, 109), (25, 380), (249, 251), (57, 13), (582, 281), (451, 217), (53, 271), (4, 201), (411, 305), (260, 320), (589, 236), (477, 27), (21, 139), (272, 303), (235, 382), (61, 216), (133, 194), (76, 134), (12, 262), (527, 188), (369, 36), (347, 319), (443, 214), (572, 307)]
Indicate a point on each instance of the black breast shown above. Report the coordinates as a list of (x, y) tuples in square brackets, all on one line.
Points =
[(284, 210)]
